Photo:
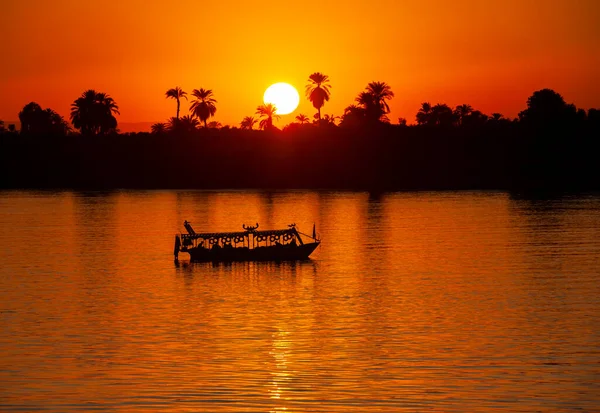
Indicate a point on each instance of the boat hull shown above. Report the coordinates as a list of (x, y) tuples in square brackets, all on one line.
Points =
[(273, 253)]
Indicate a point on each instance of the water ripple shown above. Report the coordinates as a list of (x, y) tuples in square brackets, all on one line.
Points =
[(440, 302)]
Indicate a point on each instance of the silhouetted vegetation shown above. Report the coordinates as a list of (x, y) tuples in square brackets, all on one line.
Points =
[(317, 91), (372, 107), (186, 125), (159, 128), (248, 123), (214, 125), (177, 94), (93, 113), (302, 118), (37, 121), (552, 145), (204, 106), (267, 111)]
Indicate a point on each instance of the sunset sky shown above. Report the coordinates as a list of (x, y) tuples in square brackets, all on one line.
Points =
[(490, 54)]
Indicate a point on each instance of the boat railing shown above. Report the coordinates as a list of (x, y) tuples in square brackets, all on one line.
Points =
[(250, 238)]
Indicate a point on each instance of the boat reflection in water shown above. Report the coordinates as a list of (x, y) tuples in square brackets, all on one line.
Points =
[(248, 245)]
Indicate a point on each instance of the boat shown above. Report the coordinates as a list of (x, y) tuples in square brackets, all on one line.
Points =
[(250, 244)]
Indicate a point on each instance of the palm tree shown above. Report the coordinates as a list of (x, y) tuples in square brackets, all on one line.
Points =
[(317, 91), (330, 119), (188, 123), (424, 114), (29, 117), (35, 120), (366, 101), (215, 125), (56, 123), (268, 111), (93, 113), (380, 92), (462, 111), (203, 107), (354, 116), (302, 118), (185, 125), (248, 122), (442, 115), (354, 110), (476, 117), (174, 125), (176, 93), (497, 116), (159, 128)]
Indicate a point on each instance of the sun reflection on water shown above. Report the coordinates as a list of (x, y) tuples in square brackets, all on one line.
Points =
[(280, 377)]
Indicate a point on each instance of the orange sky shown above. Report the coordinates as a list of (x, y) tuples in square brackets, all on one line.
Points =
[(490, 54)]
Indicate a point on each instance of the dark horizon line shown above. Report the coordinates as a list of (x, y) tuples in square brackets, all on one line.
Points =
[(401, 120)]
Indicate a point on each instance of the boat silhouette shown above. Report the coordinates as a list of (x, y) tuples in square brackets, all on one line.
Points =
[(249, 245)]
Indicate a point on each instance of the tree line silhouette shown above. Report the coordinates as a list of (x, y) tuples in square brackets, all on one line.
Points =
[(551, 145)]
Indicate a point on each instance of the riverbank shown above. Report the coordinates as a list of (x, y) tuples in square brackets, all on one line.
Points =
[(391, 157)]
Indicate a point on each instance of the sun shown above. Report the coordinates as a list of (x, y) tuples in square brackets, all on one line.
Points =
[(284, 96)]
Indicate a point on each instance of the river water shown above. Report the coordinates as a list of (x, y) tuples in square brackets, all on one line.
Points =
[(438, 302)]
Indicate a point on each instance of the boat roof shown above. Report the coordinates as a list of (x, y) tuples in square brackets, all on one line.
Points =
[(208, 235)]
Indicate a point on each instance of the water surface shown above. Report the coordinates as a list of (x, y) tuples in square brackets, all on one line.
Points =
[(440, 302)]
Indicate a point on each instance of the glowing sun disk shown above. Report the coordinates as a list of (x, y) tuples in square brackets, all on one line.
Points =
[(284, 96)]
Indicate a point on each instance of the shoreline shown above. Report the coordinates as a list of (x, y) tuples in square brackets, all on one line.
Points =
[(391, 158)]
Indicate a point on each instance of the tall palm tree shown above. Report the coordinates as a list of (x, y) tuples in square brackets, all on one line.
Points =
[(248, 122), (93, 113), (268, 112), (158, 128), (317, 91), (302, 118), (380, 92), (203, 107), (176, 93), (373, 110), (108, 104)]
